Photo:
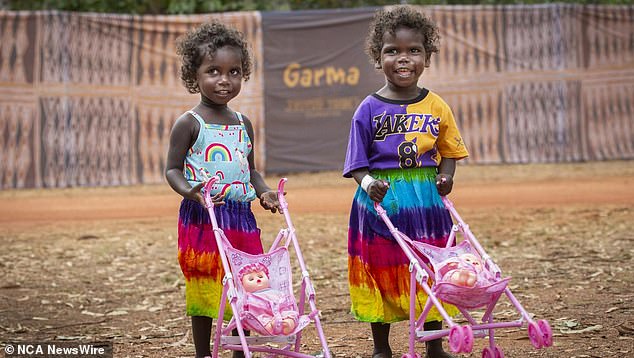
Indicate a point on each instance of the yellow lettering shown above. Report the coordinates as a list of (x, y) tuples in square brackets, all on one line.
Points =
[(291, 77), (302, 105), (307, 78), (335, 75), (319, 73), (342, 103), (294, 74), (353, 76)]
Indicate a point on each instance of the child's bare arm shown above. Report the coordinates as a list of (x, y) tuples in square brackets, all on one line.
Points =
[(180, 141)]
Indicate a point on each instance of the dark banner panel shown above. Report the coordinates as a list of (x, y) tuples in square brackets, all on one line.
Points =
[(315, 74)]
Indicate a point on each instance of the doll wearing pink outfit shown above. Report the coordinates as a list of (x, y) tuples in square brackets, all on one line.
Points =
[(271, 307)]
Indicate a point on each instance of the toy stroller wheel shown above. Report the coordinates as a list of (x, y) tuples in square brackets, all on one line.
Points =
[(535, 335), (487, 353), (455, 339), (547, 333), (498, 352), (467, 343)]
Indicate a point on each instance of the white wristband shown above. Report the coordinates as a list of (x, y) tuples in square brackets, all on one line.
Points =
[(366, 181)]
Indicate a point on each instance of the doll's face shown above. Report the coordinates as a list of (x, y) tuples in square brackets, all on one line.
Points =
[(255, 281), (473, 261)]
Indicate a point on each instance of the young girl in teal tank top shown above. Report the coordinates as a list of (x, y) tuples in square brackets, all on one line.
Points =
[(214, 139)]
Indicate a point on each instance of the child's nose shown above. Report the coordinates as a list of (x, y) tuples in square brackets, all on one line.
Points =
[(224, 79)]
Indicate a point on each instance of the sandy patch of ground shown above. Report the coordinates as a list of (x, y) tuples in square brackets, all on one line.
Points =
[(91, 264)]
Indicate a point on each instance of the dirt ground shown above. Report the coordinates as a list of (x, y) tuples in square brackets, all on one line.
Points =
[(99, 264)]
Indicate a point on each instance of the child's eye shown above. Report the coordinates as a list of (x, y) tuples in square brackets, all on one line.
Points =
[(416, 50), (235, 72)]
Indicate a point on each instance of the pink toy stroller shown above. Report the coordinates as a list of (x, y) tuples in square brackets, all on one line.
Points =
[(278, 266), (465, 276)]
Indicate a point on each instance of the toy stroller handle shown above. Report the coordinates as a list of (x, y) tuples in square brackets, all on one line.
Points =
[(447, 202), (280, 193), (379, 209), (207, 192), (280, 186)]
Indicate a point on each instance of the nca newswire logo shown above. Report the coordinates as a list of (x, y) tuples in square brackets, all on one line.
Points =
[(58, 350)]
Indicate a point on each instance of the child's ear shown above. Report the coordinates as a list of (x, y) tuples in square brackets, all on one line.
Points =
[(377, 65)]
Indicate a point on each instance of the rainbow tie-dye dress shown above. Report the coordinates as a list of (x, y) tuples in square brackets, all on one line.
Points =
[(220, 150), (401, 142)]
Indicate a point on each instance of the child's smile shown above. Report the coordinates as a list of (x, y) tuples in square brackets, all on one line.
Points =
[(404, 72)]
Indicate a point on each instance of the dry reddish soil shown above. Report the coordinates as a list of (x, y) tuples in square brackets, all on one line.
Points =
[(95, 264)]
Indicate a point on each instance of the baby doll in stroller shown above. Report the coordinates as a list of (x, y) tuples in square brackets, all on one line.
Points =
[(274, 310), (465, 270)]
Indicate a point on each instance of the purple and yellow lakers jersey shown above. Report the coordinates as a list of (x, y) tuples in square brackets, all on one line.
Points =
[(393, 134)]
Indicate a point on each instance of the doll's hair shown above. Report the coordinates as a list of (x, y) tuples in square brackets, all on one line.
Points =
[(250, 268), (205, 40), (390, 19)]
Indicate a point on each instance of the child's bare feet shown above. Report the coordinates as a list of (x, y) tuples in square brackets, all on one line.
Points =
[(434, 347), (440, 354), (435, 350), (379, 354)]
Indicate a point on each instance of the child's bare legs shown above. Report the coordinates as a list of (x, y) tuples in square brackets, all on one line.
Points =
[(434, 347), (239, 354), (381, 338), (201, 332)]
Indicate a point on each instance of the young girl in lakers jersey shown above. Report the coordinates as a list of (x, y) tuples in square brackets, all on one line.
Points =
[(402, 151)]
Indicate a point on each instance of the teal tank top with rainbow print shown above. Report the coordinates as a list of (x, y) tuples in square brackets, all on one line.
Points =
[(221, 150)]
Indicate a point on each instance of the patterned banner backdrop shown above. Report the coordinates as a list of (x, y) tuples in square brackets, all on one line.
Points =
[(89, 99), (538, 84)]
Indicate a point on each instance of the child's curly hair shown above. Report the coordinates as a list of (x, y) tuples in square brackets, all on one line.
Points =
[(388, 20), (205, 40)]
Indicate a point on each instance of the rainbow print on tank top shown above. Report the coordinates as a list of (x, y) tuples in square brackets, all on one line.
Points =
[(217, 152)]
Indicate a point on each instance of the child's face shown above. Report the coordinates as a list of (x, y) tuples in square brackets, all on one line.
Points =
[(403, 58), (220, 78), (255, 281)]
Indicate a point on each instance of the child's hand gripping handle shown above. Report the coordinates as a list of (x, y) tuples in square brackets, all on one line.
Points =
[(207, 188)]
